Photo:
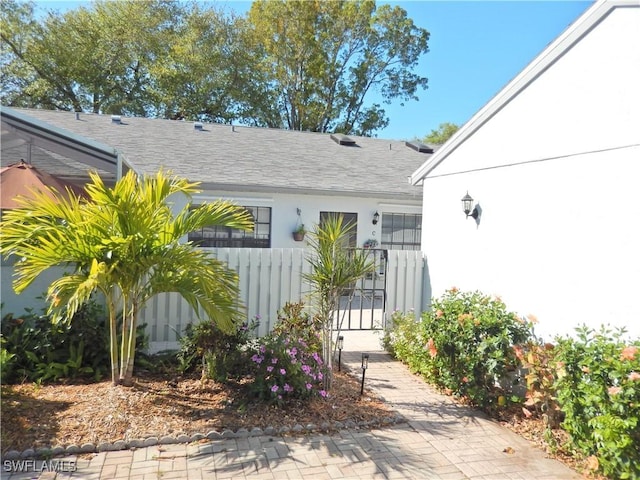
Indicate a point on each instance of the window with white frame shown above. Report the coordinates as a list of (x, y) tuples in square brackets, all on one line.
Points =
[(216, 236), (401, 231)]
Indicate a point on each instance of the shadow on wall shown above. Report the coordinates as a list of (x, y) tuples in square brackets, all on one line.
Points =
[(426, 287), (479, 216)]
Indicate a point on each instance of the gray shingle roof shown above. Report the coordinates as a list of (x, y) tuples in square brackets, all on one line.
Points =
[(252, 159)]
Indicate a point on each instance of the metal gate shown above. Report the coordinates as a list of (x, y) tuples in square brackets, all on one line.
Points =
[(363, 306)]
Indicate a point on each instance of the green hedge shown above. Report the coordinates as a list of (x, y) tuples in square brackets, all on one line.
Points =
[(464, 344)]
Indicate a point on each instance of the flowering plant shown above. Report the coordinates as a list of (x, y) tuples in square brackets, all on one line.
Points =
[(371, 243), (598, 389), (285, 367), (463, 344)]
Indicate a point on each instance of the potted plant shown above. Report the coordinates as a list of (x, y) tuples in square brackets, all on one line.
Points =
[(371, 243), (298, 233)]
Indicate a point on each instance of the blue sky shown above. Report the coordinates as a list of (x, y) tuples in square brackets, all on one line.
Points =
[(475, 48)]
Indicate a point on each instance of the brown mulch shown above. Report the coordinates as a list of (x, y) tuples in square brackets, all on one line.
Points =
[(60, 415), (36, 416)]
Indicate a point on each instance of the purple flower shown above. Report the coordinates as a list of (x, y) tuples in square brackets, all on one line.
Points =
[(257, 358), (269, 369), (283, 371), (306, 369), (323, 394), (308, 385), (288, 388), (275, 388), (263, 349), (294, 352), (274, 360), (319, 375)]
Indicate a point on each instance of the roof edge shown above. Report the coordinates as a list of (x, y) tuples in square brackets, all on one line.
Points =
[(553, 52), (21, 120)]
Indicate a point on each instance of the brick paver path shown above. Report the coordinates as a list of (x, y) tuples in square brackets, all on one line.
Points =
[(440, 440)]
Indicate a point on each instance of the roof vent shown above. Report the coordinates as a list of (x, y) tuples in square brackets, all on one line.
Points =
[(116, 119), (341, 139), (419, 147), (198, 126)]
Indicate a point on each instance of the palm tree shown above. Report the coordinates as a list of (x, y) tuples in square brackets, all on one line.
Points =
[(335, 268), (125, 242)]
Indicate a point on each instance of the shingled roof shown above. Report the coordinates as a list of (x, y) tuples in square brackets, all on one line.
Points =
[(238, 158)]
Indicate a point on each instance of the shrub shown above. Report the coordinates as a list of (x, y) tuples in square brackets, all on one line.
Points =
[(6, 361), (40, 350), (541, 366), (285, 367), (221, 355), (598, 388), (43, 350), (463, 344), (294, 321)]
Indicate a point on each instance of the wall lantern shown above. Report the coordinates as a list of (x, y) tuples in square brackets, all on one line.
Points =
[(340, 346), (376, 217), (468, 208), (365, 365)]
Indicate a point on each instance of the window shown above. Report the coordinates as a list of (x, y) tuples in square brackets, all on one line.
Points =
[(347, 219), (259, 237), (401, 231)]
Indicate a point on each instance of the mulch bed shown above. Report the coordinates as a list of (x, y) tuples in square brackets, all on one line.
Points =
[(66, 414)]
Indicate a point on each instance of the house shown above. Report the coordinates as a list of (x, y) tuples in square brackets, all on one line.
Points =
[(285, 178), (552, 163)]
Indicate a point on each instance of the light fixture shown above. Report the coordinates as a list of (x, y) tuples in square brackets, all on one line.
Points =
[(468, 208), (340, 345), (376, 217), (365, 365)]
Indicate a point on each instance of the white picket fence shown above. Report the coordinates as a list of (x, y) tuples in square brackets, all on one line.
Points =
[(271, 277)]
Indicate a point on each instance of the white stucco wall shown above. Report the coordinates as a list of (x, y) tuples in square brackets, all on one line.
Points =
[(284, 215), (559, 234), (31, 298)]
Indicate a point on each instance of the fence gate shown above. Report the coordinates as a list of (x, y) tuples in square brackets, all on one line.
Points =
[(363, 307)]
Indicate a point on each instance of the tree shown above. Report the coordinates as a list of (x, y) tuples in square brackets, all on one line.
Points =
[(282, 66), (441, 134), (95, 60), (334, 271), (321, 62), (125, 242), (209, 71)]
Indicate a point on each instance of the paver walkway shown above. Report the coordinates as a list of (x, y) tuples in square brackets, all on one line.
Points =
[(440, 440)]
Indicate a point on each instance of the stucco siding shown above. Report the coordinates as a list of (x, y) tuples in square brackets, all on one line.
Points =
[(586, 100), (556, 239), (553, 163), (284, 215)]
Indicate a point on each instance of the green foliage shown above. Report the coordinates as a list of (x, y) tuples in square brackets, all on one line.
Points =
[(463, 344), (335, 268), (441, 134), (41, 350), (222, 355), (541, 365), (294, 321), (126, 242), (285, 367), (6, 361), (280, 65), (321, 61), (598, 388)]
